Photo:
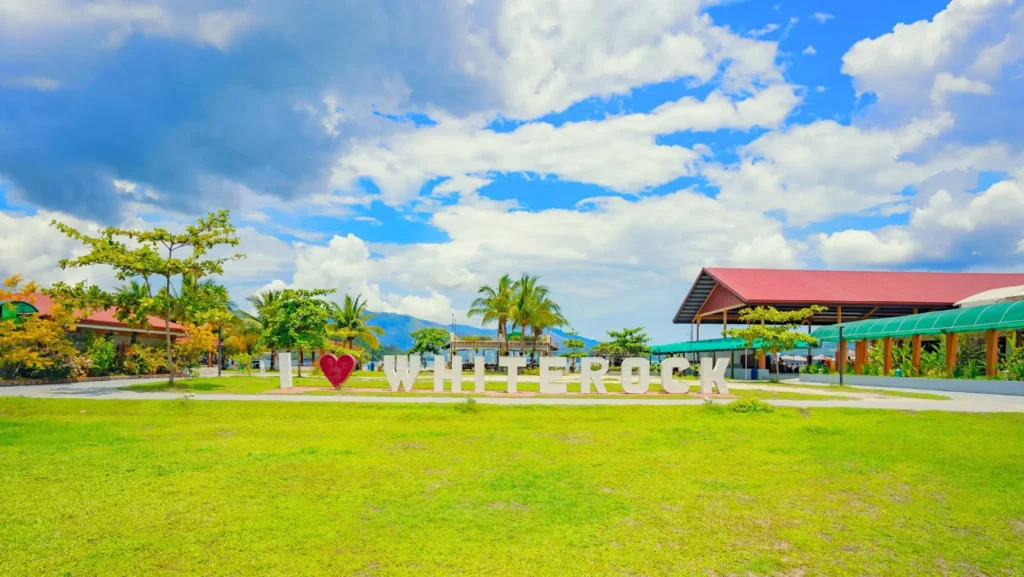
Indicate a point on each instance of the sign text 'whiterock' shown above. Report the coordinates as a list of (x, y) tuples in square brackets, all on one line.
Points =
[(402, 370)]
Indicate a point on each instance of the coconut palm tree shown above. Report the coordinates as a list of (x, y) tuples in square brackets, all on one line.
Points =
[(533, 308), (351, 323), (262, 303), (495, 304)]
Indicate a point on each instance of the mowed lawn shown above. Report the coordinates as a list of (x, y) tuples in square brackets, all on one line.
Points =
[(222, 488)]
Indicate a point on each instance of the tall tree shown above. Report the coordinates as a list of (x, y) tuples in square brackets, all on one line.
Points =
[(297, 320), (140, 254), (261, 303), (574, 347), (428, 341), (495, 304), (533, 308), (775, 331), (351, 323)]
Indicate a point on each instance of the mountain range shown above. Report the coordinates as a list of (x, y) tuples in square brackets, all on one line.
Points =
[(397, 329)]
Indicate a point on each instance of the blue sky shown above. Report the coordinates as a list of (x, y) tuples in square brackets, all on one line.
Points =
[(412, 152)]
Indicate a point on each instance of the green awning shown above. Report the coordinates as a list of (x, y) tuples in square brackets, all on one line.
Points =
[(999, 316), (11, 309), (706, 346)]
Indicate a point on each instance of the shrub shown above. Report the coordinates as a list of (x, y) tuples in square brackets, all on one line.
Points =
[(102, 357), (244, 360), (143, 360), (751, 406)]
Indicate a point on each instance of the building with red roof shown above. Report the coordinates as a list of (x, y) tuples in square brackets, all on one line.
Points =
[(719, 293), (105, 323)]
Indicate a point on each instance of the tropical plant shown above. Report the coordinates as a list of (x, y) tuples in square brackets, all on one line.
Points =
[(198, 340), (775, 330), (430, 340), (135, 254), (296, 321), (351, 324), (143, 360), (244, 360), (102, 355), (495, 304), (262, 303), (36, 345), (575, 348), (533, 308)]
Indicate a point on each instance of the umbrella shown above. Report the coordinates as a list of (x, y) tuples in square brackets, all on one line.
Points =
[(999, 295)]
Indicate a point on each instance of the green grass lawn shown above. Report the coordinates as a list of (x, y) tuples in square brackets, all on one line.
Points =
[(254, 385), (192, 488)]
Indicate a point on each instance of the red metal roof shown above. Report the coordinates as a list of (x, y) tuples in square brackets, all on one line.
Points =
[(860, 294), (866, 287), (104, 317)]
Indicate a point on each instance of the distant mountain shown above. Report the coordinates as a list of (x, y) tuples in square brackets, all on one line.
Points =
[(397, 329)]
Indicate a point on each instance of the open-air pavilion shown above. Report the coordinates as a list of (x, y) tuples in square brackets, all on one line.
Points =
[(513, 345), (718, 294)]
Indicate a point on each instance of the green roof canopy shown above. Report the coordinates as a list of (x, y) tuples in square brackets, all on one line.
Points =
[(11, 309), (705, 346), (1000, 316)]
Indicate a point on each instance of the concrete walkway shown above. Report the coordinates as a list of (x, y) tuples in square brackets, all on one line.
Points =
[(959, 402)]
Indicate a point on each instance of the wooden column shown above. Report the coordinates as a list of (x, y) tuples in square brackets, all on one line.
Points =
[(950, 352), (725, 322), (698, 328), (762, 360), (991, 352), (860, 355), (887, 356), (915, 358)]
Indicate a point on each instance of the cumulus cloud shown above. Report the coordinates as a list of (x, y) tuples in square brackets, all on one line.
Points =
[(809, 51), (822, 17)]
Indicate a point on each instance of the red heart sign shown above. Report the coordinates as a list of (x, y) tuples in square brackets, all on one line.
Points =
[(337, 369)]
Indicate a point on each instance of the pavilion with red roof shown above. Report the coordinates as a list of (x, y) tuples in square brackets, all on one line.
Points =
[(719, 293)]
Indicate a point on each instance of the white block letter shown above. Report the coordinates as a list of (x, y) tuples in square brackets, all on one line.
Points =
[(441, 373), (627, 376), (716, 376), (547, 366), (588, 376), (668, 367), (512, 365), (284, 365), (401, 371), (479, 366)]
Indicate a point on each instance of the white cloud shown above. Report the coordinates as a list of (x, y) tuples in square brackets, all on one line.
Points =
[(550, 53), (822, 17), (809, 51), (819, 88), (619, 152), (946, 83), (768, 29), (968, 39), (971, 229), (41, 83)]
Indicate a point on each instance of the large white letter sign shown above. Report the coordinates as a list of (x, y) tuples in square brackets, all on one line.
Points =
[(670, 385), (441, 373), (479, 365), (401, 371), (284, 364), (627, 376), (715, 376), (512, 365), (547, 366), (588, 376)]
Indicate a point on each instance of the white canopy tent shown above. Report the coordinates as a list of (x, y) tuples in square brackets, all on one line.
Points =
[(990, 297)]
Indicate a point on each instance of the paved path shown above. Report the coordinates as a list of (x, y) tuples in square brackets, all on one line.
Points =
[(959, 402)]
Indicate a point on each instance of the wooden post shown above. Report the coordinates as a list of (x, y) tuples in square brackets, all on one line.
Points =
[(698, 328), (950, 352), (915, 358), (762, 360), (887, 353), (991, 352), (859, 353), (725, 321)]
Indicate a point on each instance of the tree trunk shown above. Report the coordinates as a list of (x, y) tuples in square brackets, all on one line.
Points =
[(300, 363), (167, 331), (273, 353)]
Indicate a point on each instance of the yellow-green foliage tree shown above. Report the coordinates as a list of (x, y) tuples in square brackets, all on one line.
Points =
[(156, 258), (774, 330), (34, 343), (199, 339)]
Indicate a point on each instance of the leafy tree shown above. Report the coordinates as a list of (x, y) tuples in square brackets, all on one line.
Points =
[(198, 340), (428, 341), (575, 348), (351, 323), (629, 342), (261, 303), (297, 320), (36, 342), (495, 304), (775, 330), (135, 254), (244, 360)]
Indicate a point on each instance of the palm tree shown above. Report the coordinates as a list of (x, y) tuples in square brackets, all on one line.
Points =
[(495, 304), (532, 307), (351, 323), (262, 303), (546, 314)]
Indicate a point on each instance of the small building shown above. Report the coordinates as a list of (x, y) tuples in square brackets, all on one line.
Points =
[(101, 323)]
